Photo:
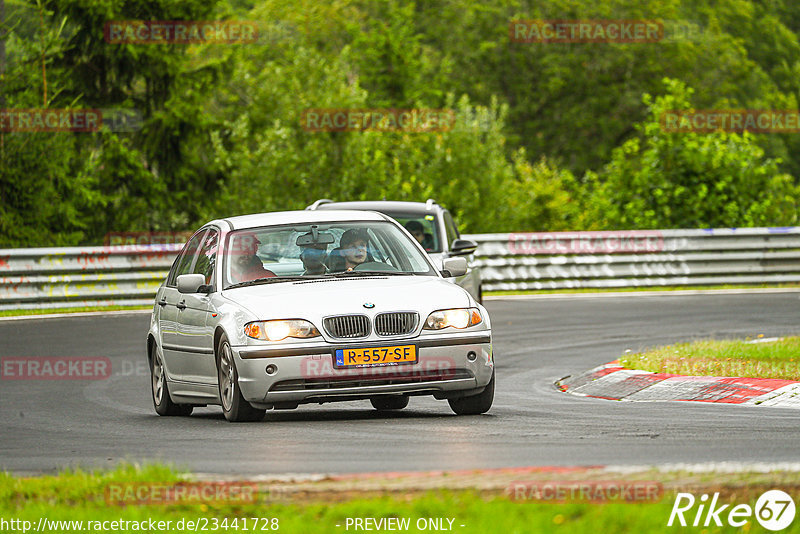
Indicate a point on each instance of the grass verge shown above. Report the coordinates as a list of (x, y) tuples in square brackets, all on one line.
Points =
[(17, 313), (773, 359), (80, 496)]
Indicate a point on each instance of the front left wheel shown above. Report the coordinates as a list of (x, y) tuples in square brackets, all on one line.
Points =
[(161, 399), (475, 404), (235, 408)]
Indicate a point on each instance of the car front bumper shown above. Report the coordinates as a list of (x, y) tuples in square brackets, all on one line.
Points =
[(448, 365)]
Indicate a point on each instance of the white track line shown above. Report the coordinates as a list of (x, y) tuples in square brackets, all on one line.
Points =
[(618, 294), (706, 467)]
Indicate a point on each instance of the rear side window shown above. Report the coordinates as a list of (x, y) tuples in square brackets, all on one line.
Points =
[(187, 257)]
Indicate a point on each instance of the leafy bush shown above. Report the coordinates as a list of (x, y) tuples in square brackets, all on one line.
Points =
[(689, 180)]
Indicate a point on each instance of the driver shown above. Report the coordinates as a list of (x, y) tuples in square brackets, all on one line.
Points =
[(354, 247), (246, 265), (416, 229), (352, 251)]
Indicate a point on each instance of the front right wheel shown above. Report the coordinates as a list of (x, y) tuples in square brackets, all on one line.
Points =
[(235, 408), (474, 404)]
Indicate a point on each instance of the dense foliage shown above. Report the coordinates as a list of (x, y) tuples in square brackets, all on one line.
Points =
[(559, 136)]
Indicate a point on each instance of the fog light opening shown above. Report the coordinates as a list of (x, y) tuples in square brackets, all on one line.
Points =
[(472, 356), (272, 369)]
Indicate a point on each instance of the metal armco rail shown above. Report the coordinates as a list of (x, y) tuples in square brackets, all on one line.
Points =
[(639, 258), (83, 276), (130, 275)]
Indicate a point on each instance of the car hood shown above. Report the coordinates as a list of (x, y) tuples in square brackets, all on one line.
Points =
[(320, 298)]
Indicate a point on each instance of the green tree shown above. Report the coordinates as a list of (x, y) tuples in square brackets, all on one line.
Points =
[(689, 180)]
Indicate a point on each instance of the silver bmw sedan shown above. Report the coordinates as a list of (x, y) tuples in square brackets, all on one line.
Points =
[(274, 310)]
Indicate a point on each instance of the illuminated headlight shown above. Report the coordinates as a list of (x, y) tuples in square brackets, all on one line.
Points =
[(277, 330), (457, 318)]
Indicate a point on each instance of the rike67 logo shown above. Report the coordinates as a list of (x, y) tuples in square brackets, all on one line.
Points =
[(774, 510)]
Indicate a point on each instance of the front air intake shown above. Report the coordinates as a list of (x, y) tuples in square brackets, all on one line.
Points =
[(347, 326), (396, 323)]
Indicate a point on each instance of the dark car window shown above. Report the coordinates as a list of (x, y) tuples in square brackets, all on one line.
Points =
[(207, 258), (431, 238), (450, 228), (186, 259)]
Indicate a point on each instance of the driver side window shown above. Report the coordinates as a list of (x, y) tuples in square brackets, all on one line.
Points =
[(186, 259), (207, 258)]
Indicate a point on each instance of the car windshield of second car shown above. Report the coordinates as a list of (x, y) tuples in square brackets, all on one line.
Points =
[(422, 227), (321, 250)]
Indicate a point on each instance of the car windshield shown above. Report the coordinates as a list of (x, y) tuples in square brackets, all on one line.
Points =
[(422, 227), (292, 252)]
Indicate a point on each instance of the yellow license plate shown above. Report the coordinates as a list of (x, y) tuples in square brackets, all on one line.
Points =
[(375, 356)]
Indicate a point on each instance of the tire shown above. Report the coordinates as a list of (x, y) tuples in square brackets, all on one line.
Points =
[(474, 404), (480, 294), (235, 408), (160, 390), (393, 402)]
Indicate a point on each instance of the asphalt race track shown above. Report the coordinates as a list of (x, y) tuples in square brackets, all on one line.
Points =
[(50, 424)]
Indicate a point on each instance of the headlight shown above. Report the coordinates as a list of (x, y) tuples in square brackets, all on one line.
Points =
[(457, 318), (277, 330)]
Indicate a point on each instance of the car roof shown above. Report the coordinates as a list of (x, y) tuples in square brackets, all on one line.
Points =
[(298, 217), (384, 206)]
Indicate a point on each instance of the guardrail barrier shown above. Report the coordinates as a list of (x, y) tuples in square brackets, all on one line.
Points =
[(83, 276), (130, 275), (638, 258)]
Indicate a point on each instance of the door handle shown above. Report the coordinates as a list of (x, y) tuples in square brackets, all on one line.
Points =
[(181, 305), (162, 302)]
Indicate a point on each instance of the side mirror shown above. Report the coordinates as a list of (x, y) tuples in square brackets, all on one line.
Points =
[(190, 283), (463, 247), (453, 267)]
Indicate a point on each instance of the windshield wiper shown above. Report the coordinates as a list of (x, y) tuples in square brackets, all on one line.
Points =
[(369, 273), (269, 280)]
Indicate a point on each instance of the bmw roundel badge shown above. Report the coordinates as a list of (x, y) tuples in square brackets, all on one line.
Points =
[(369, 305)]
